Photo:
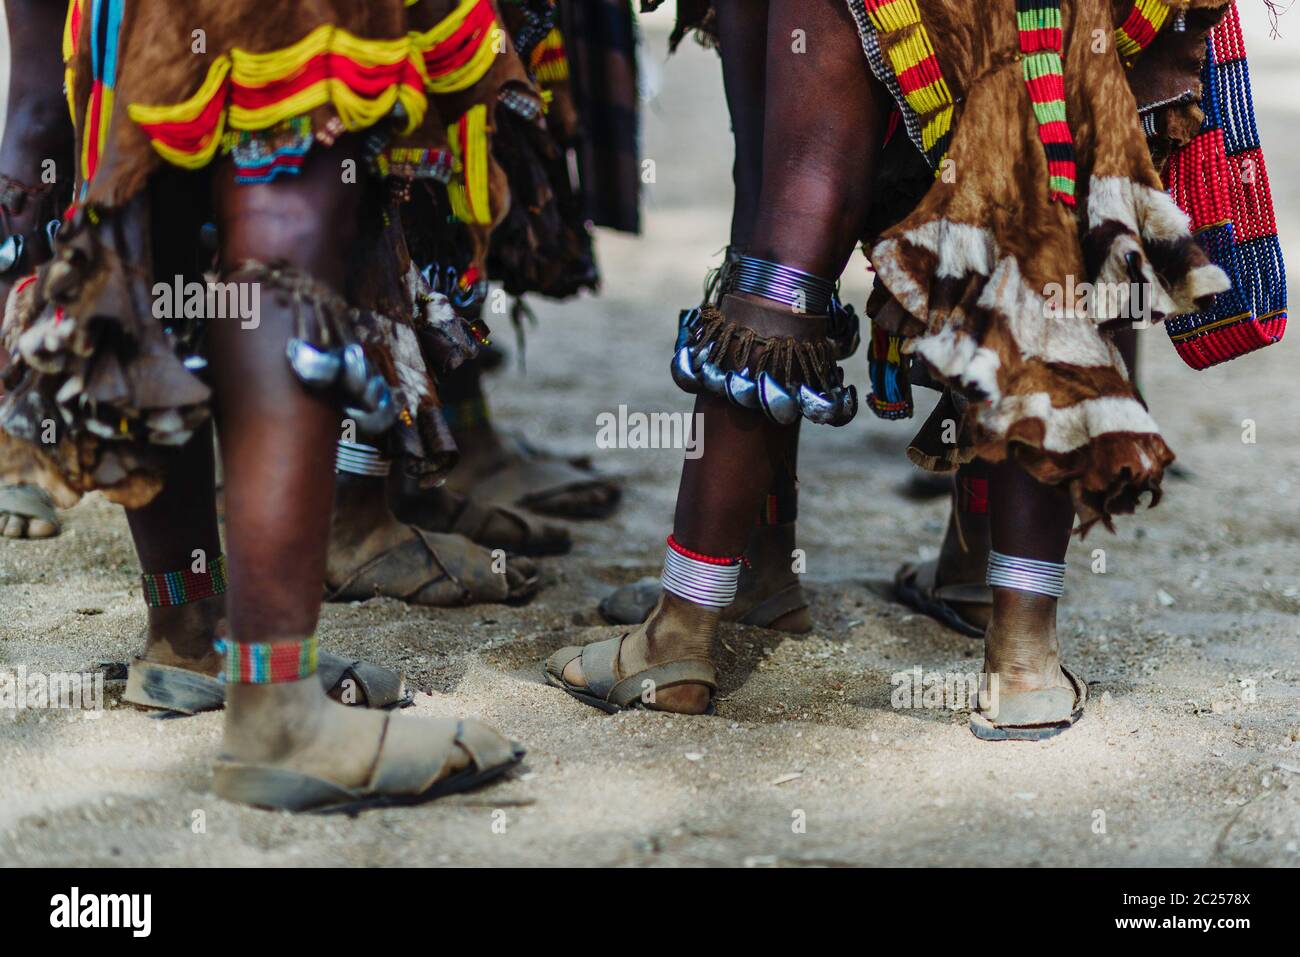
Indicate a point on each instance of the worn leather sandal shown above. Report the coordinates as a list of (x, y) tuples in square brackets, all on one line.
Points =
[(530, 478), (610, 693), (412, 755), (1029, 715), (914, 586), (437, 570), (490, 525), (169, 688)]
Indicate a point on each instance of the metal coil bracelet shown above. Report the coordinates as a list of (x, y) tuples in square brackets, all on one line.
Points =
[(695, 369)]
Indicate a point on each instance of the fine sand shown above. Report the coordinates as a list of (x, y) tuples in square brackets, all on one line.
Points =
[(1188, 754)]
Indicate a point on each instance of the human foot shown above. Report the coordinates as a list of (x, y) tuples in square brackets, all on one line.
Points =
[(664, 665), (177, 671), (1026, 693), (287, 747), (26, 511), (371, 553), (769, 594)]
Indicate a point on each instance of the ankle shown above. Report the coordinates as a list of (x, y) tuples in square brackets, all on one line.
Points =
[(268, 722), (678, 628), (186, 634), (1021, 646)]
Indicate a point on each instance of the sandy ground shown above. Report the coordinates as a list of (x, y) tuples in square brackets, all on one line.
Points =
[(1187, 756)]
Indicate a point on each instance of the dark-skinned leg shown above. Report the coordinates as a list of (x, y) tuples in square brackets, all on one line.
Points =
[(278, 445), (175, 531), (36, 145), (817, 168), (1027, 520), (742, 27), (963, 557)]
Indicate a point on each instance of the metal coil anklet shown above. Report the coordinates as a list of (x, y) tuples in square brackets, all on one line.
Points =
[(801, 291), (357, 458), (1026, 574)]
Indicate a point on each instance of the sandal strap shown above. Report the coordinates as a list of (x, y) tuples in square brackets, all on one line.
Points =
[(485, 747), (404, 585), (685, 671), (412, 754), (381, 686), (1034, 708), (29, 501), (599, 663)]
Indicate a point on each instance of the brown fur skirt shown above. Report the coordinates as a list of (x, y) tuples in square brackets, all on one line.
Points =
[(102, 385), (1011, 291)]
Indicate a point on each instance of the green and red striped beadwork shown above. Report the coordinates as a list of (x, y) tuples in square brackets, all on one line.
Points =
[(179, 588), (1041, 43), (267, 662)]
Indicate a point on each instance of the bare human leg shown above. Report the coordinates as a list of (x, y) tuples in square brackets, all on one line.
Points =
[(35, 182), (817, 168)]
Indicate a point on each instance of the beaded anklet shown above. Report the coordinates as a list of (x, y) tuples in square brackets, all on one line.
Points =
[(267, 662), (164, 589)]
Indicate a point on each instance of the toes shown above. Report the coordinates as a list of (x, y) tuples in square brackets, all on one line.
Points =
[(573, 673), (39, 528), (566, 664), (15, 527)]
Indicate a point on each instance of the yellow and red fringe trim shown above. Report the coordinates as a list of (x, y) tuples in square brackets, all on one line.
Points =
[(363, 79)]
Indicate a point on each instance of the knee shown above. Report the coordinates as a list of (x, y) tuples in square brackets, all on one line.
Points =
[(308, 221)]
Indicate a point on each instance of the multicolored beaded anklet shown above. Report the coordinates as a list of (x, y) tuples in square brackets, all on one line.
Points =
[(163, 589), (702, 579), (267, 662)]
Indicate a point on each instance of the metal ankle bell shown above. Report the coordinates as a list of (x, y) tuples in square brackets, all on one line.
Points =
[(11, 251), (355, 372), (686, 323), (837, 408), (742, 390), (816, 407), (713, 378), (315, 367), (776, 403), (376, 412), (686, 370)]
